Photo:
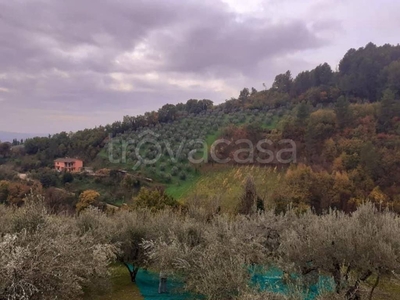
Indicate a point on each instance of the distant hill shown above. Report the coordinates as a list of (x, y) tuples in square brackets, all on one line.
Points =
[(6, 136)]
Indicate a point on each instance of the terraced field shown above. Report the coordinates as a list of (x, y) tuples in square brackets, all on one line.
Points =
[(176, 141)]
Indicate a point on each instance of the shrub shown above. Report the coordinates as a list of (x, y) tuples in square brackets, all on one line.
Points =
[(58, 200), (154, 199), (67, 177), (182, 176), (3, 191), (86, 199), (48, 179), (7, 173), (167, 178), (163, 167), (174, 171)]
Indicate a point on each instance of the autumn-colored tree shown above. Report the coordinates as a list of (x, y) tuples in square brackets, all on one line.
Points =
[(86, 199), (329, 152), (378, 197), (17, 193), (321, 191), (154, 200), (342, 190), (300, 179)]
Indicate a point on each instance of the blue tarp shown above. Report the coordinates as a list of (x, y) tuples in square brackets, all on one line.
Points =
[(148, 285), (271, 280)]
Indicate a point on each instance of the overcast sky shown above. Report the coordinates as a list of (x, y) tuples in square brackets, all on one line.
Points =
[(70, 64)]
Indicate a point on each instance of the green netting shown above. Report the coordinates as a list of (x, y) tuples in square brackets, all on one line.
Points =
[(270, 280)]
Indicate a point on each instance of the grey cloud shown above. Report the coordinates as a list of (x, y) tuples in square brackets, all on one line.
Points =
[(61, 55), (235, 46), (36, 33), (33, 34)]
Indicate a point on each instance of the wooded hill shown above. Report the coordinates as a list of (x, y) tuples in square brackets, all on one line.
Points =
[(346, 125)]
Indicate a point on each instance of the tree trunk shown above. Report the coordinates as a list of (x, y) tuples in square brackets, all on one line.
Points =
[(132, 273), (374, 287), (162, 288), (353, 293), (346, 276), (337, 277)]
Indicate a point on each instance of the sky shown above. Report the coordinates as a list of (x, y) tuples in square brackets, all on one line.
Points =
[(70, 65)]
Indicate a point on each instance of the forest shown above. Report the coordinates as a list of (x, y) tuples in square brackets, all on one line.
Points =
[(332, 210)]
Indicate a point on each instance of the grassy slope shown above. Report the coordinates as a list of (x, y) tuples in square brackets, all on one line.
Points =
[(179, 190), (224, 184), (182, 190)]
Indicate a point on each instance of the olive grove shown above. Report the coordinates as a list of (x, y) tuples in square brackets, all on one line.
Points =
[(48, 256)]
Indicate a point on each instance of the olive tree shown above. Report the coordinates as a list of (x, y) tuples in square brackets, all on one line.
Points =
[(213, 256), (47, 257), (351, 248)]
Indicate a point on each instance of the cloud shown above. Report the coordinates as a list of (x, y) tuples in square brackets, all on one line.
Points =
[(67, 65), (236, 47)]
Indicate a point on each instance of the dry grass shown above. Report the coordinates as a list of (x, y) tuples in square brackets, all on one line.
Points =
[(121, 288), (224, 186)]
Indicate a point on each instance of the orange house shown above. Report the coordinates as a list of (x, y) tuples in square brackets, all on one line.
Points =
[(68, 164)]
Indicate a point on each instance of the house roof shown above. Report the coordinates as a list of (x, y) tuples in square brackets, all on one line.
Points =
[(67, 160)]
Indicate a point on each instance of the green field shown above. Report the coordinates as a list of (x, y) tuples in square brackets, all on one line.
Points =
[(180, 189)]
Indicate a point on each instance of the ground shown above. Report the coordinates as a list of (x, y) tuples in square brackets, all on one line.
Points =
[(121, 287)]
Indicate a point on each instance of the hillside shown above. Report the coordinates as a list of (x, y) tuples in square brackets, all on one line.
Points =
[(287, 192), (344, 126)]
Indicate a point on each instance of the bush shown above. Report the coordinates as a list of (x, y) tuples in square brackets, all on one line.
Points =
[(167, 178), (58, 200), (48, 179), (174, 171), (7, 173), (86, 199), (182, 176), (163, 167), (154, 200), (67, 178)]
